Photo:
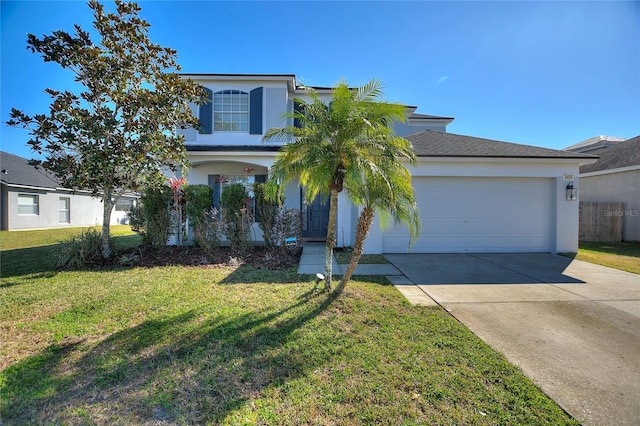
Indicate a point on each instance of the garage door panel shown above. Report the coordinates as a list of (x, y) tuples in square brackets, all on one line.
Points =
[(478, 215)]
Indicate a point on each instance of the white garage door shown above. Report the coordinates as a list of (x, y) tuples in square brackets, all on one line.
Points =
[(462, 215)]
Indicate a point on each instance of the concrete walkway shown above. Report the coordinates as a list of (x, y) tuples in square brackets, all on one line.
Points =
[(312, 261), (573, 327)]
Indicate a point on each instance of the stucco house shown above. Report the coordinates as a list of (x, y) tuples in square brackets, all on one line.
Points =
[(31, 198), (615, 177), (474, 195)]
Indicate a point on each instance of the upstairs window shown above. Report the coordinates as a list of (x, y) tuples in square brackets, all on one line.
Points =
[(231, 111)]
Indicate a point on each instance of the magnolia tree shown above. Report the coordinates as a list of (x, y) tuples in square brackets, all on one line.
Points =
[(120, 130)]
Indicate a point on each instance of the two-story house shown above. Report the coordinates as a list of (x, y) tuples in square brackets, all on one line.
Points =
[(474, 195)]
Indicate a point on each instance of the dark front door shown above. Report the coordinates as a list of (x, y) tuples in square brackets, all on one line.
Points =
[(317, 219)]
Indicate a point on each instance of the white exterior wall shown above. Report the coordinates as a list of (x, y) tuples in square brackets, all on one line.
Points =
[(563, 215), (85, 210), (274, 105), (344, 222)]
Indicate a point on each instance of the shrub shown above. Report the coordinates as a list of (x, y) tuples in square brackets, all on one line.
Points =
[(267, 212), (80, 250), (198, 200), (204, 220), (152, 218), (288, 223), (207, 232), (236, 217)]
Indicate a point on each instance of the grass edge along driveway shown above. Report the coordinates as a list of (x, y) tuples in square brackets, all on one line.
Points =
[(192, 345)]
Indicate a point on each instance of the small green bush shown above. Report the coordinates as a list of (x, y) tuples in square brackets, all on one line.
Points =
[(204, 220), (267, 212), (79, 250), (152, 218), (236, 216), (207, 232)]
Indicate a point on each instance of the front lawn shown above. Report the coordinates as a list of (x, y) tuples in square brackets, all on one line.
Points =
[(240, 345), (623, 256)]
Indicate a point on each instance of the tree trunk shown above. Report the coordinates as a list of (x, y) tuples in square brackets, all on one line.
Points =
[(106, 222), (362, 230), (331, 238)]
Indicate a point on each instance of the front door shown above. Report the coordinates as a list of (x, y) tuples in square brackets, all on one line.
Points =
[(317, 219)]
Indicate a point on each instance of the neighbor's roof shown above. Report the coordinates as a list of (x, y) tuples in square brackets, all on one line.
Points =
[(617, 156), (431, 143), (16, 170), (595, 143), (429, 117)]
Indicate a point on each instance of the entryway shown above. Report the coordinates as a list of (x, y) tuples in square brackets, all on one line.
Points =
[(316, 217)]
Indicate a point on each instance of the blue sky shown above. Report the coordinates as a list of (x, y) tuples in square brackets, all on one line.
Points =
[(540, 73)]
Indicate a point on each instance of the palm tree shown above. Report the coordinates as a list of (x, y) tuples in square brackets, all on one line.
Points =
[(332, 145), (388, 191)]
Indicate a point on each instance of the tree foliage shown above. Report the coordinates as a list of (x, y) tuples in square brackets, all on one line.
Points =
[(121, 127), (336, 146), (390, 193)]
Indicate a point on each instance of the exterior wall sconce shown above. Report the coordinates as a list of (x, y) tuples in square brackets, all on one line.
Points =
[(572, 192)]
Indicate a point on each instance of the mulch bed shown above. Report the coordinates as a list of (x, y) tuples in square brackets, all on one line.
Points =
[(258, 257)]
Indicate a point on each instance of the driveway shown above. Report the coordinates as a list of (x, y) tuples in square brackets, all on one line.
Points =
[(572, 326)]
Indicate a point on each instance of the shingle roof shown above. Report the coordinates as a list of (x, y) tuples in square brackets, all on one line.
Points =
[(431, 143), (622, 154), (430, 117), (16, 170), (594, 143)]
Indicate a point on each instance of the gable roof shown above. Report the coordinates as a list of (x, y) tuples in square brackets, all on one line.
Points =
[(619, 155), (431, 143), (15, 170)]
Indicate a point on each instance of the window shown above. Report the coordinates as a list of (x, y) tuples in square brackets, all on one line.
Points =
[(27, 204), (231, 111), (65, 210), (124, 205)]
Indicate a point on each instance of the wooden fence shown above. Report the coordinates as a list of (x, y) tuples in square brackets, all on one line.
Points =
[(600, 221)]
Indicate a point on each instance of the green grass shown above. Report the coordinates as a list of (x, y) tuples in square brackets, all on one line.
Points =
[(188, 345), (623, 256), (343, 256), (10, 240)]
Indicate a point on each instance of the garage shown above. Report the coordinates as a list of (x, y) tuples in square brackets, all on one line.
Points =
[(462, 214)]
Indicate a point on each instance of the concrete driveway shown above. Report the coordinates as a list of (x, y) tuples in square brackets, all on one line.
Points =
[(573, 327)]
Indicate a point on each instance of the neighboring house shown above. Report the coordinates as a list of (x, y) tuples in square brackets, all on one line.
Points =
[(474, 195), (31, 198), (615, 177)]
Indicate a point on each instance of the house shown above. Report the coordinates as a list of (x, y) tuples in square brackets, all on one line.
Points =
[(615, 177), (31, 198), (474, 195)]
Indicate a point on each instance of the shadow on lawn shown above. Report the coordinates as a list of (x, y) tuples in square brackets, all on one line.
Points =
[(188, 368), (27, 261)]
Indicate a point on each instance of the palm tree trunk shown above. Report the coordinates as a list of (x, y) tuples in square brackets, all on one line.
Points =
[(362, 229), (331, 238)]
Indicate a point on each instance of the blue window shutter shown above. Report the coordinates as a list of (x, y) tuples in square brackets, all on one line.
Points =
[(214, 183), (206, 114), (255, 111)]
